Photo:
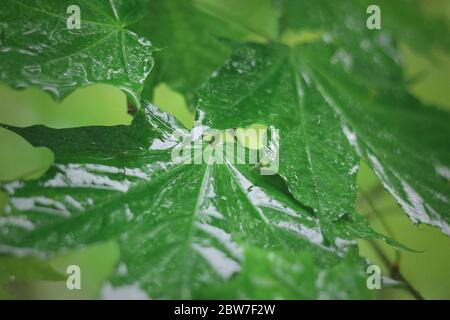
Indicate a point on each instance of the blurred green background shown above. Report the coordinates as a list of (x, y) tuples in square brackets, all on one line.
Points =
[(428, 271)]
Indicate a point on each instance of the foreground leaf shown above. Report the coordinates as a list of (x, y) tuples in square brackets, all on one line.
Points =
[(180, 227), (287, 275)]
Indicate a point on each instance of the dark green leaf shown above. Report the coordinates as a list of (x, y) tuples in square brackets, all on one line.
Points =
[(295, 275), (346, 19), (180, 227), (38, 49), (184, 229), (329, 106), (190, 34)]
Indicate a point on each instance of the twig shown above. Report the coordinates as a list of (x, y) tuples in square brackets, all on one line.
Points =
[(395, 272), (394, 268), (388, 229)]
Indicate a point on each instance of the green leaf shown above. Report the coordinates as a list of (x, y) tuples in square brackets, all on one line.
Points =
[(39, 50), (336, 93), (180, 227), (331, 106), (46, 278), (346, 19), (190, 34), (295, 275), (259, 85)]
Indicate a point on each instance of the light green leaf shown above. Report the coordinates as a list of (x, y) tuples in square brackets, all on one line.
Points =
[(20, 160), (20, 269), (98, 104)]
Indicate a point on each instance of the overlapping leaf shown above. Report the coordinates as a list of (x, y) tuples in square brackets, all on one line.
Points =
[(183, 228), (38, 49), (404, 18), (191, 32), (332, 100)]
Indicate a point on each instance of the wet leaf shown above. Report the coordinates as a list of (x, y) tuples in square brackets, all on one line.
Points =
[(191, 37), (406, 19), (332, 106), (38, 49), (333, 89), (290, 275), (180, 227)]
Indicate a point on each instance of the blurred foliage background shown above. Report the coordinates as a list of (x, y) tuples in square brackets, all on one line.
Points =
[(428, 270)]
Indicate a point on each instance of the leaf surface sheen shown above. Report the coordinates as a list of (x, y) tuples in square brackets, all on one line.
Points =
[(181, 227), (193, 35), (185, 229), (39, 50), (333, 100)]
